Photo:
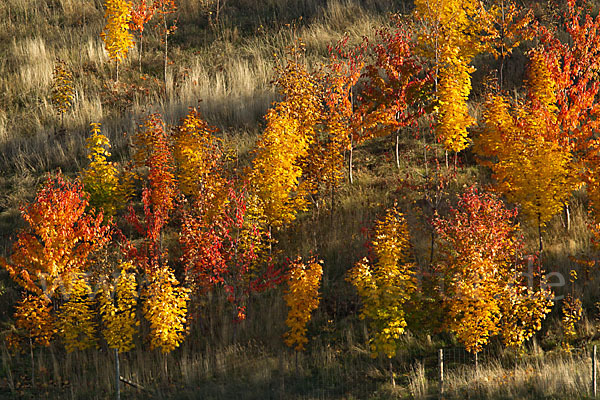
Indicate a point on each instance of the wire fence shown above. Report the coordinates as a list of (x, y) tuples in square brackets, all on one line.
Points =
[(253, 372)]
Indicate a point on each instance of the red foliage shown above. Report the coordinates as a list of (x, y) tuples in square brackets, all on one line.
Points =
[(59, 239), (158, 196)]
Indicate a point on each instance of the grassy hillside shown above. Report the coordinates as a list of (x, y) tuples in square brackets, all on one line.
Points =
[(228, 66)]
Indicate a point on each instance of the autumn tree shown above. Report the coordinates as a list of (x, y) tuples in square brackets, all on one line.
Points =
[(280, 151), (483, 290), (76, 318), (450, 36), (227, 250), (164, 298), (116, 35), (340, 117), (302, 298), (60, 237), (575, 73), (396, 86), (109, 190), (201, 161), (165, 308), (506, 26), (153, 151), (63, 92), (34, 323), (385, 285), (141, 14), (523, 144), (164, 8), (118, 300)]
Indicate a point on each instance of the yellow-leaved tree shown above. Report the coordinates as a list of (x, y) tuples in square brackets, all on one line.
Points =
[(450, 37), (386, 285), (531, 161), (302, 298), (76, 323), (34, 323), (200, 159), (116, 35), (63, 92), (118, 302), (165, 307), (281, 150), (101, 178)]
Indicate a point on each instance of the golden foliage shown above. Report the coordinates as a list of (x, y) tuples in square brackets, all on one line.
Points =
[(451, 37), (33, 321), (165, 307), (484, 292), (116, 35), (384, 287), (62, 87), (200, 159), (76, 323), (302, 298), (572, 311), (118, 302), (531, 162), (281, 150), (101, 178)]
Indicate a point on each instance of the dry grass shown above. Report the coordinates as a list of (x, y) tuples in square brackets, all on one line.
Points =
[(230, 68)]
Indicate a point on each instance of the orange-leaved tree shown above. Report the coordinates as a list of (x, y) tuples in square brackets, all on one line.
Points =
[(396, 86), (302, 298), (141, 14), (164, 299), (577, 85), (162, 9), (60, 237), (340, 117), (483, 291), (116, 35)]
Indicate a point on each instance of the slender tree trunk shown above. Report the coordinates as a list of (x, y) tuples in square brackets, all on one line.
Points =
[(540, 234), (502, 35), (350, 178), (432, 246), (117, 71), (140, 53), (166, 366), (32, 362), (166, 51), (398, 150), (117, 375), (392, 379)]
